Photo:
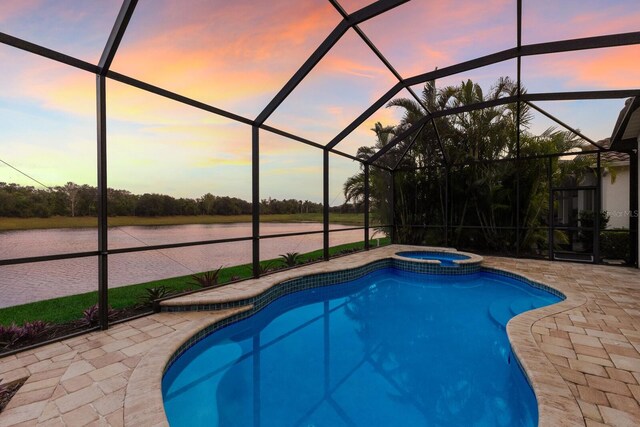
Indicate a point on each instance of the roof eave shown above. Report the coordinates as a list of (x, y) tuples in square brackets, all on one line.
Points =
[(617, 142)]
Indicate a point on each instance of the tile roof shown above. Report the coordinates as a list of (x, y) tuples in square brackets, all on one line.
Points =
[(611, 156)]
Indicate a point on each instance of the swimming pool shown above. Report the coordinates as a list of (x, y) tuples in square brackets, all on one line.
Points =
[(446, 258), (392, 348)]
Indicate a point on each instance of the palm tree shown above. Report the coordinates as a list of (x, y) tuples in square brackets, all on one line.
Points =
[(353, 187), (487, 133), (481, 194), (479, 134)]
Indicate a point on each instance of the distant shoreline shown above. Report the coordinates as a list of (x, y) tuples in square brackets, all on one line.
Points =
[(10, 224)]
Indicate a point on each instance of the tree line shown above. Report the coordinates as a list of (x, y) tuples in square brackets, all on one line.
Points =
[(81, 200)]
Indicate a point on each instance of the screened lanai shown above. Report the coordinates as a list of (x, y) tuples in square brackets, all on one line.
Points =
[(500, 127)]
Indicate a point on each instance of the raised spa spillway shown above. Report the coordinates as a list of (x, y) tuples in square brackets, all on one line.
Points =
[(446, 258), (392, 348)]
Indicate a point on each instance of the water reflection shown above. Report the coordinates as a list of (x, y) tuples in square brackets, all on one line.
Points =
[(391, 353), (24, 283)]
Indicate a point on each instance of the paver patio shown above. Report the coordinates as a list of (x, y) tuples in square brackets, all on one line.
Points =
[(582, 355)]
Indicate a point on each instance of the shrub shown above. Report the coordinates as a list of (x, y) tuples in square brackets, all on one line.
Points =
[(615, 245), (12, 334), (587, 221), (264, 267), (207, 279), (290, 259), (90, 316), (348, 251), (33, 329), (9, 335), (152, 294)]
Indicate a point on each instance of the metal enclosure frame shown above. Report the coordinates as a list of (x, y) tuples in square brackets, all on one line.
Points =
[(349, 21)]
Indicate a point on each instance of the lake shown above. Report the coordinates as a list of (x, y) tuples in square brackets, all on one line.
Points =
[(25, 283)]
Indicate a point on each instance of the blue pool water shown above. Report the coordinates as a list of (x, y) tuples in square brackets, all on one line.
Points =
[(446, 259), (390, 349)]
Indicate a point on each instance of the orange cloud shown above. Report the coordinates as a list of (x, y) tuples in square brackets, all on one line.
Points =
[(386, 116), (238, 62), (611, 68), (49, 84), (434, 56), (614, 68), (353, 5)]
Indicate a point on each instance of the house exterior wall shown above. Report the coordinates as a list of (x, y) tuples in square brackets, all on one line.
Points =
[(615, 197)]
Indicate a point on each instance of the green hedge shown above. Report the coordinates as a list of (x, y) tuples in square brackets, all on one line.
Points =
[(615, 244)]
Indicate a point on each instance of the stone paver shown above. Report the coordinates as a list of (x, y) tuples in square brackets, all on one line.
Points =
[(581, 355)]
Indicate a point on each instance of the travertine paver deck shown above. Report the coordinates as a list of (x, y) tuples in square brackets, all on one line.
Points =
[(584, 352), (595, 347)]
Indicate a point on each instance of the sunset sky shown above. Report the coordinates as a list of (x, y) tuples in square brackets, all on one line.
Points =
[(236, 55)]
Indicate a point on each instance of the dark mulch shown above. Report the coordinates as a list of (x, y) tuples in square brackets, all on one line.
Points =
[(7, 391), (61, 330)]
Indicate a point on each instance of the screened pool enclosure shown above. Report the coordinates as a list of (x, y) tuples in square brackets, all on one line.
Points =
[(502, 128)]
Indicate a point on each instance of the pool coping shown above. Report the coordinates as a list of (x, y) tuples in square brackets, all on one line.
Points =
[(219, 298), (471, 260), (143, 403), (557, 406)]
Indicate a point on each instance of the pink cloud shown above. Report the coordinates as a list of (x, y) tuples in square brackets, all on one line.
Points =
[(226, 54), (547, 20), (351, 6), (345, 65), (418, 36), (610, 68), (11, 9), (595, 69)]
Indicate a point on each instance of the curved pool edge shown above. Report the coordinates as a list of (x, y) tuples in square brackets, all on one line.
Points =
[(557, 405), (143, 404)]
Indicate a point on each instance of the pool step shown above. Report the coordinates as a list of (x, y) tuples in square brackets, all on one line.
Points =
[(520, 306), (501, 311), (537, 303)]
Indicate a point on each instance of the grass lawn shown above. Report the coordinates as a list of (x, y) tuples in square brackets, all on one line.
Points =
[(118, 221), (65, 309)]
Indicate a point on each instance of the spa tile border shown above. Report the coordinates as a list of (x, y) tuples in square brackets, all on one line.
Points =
[(472, 259)]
